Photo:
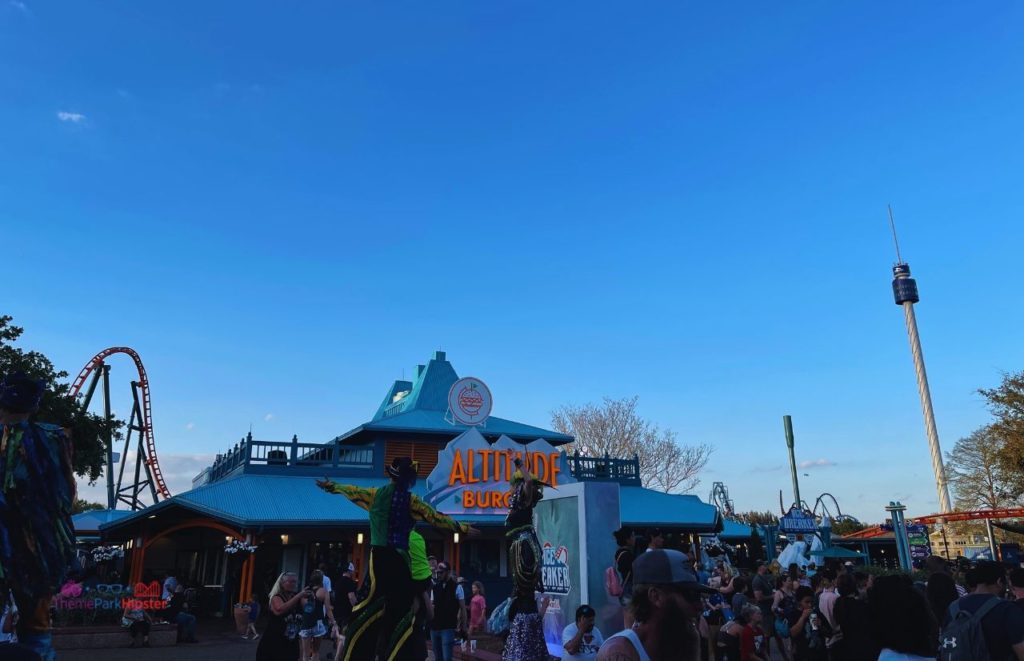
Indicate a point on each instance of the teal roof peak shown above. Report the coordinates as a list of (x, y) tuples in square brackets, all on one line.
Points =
[(427, 392)]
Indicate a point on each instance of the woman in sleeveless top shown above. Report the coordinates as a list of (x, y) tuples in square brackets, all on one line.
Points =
[(317, 617), (727, 647), (280, 641)]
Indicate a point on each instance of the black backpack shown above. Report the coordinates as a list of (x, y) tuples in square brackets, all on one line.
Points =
[(962, 639)]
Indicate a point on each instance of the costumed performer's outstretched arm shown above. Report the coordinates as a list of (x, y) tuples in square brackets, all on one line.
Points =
[(424, 512), (361, 496)]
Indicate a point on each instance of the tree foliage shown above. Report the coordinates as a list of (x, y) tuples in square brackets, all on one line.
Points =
[(765, 518), (615, 428), (1006, 401), (847, 527), (85, 506), (87, 431), (976, 473)]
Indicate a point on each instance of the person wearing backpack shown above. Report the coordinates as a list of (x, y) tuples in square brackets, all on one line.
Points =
[(982, 625), (618, 577)]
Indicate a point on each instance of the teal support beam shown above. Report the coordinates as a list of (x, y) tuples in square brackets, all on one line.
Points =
[(899, 528), (787, 424)]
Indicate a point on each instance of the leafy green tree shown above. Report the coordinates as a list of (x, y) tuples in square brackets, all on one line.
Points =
[(846, 527), (87, 431), (765, 518), (1006, 401)]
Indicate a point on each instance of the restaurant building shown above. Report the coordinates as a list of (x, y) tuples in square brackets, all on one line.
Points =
[(265, 492)]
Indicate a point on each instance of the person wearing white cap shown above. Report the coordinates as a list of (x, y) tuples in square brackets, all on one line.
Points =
[(666, 603)]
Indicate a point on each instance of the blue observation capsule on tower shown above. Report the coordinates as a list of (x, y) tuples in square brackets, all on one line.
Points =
[(904, 288)]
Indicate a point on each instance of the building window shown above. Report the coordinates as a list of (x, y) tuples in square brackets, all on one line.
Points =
[(424, 452)]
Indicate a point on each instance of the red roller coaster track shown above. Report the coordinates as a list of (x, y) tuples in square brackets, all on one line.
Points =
[(147, 417)]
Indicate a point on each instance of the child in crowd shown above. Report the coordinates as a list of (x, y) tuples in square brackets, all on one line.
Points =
[(254, 613), (477, 610)]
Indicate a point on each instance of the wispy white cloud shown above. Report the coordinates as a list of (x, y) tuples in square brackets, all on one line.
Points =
[(817, 463), (20, 6), (190, 426), (73, 117), (268, 417)]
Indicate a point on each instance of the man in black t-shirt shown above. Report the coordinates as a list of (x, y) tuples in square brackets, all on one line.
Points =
[(1004, 624), (345, 589)]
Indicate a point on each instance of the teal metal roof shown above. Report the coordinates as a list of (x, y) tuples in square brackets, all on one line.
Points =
[(91, 521), (420, 405), (734, 529), (251, 501), (433, 422), (639, 507), (264, 500)]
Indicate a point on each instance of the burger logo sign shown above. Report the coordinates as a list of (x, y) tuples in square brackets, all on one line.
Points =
[(469, 401)]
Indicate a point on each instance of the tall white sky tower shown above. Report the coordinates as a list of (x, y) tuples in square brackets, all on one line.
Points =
[(904, 289)]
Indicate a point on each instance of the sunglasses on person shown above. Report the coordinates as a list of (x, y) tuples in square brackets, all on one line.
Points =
[(112, 588)]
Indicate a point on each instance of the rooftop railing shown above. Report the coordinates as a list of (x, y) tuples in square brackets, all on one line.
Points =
[(250, 452), (624, 471)]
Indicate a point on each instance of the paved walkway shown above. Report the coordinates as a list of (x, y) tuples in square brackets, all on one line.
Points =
[(217, 645)]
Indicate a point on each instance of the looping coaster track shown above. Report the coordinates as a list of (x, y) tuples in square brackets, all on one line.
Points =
[(141, 421)]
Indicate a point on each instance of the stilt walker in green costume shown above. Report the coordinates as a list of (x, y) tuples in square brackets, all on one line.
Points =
[(382, 624)]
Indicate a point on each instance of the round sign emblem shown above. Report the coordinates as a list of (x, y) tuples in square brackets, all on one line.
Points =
[(469, 401)]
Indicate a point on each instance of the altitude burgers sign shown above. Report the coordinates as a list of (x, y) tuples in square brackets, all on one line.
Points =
[(473, 476)]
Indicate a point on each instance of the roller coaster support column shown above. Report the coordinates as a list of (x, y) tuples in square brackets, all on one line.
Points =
[(111, 499), (899, 528)]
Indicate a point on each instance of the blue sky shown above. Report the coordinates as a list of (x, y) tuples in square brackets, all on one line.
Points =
[(281, 207)]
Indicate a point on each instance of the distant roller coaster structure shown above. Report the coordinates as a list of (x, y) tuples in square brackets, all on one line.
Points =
[(140, 422)]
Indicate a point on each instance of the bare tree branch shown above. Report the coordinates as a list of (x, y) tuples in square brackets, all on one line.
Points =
[(974, 470), (615, 429)]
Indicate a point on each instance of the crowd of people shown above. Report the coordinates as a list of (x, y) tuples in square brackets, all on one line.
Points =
[(674, 609)]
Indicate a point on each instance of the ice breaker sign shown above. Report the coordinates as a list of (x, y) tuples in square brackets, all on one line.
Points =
[(469, 401), (473, 476), (798, 521), (554, 570)]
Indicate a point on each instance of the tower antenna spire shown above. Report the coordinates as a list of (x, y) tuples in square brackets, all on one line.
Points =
[(892, 226)]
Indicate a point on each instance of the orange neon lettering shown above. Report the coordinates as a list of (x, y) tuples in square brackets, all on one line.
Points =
[(555, 469), (458, 473), (467, 499), (540, 466), (497, 466), (472, 479), (484, 456)]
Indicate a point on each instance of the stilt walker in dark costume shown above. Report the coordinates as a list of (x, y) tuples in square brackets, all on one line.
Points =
[(37, 492), (381, 626), (525, 640)]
